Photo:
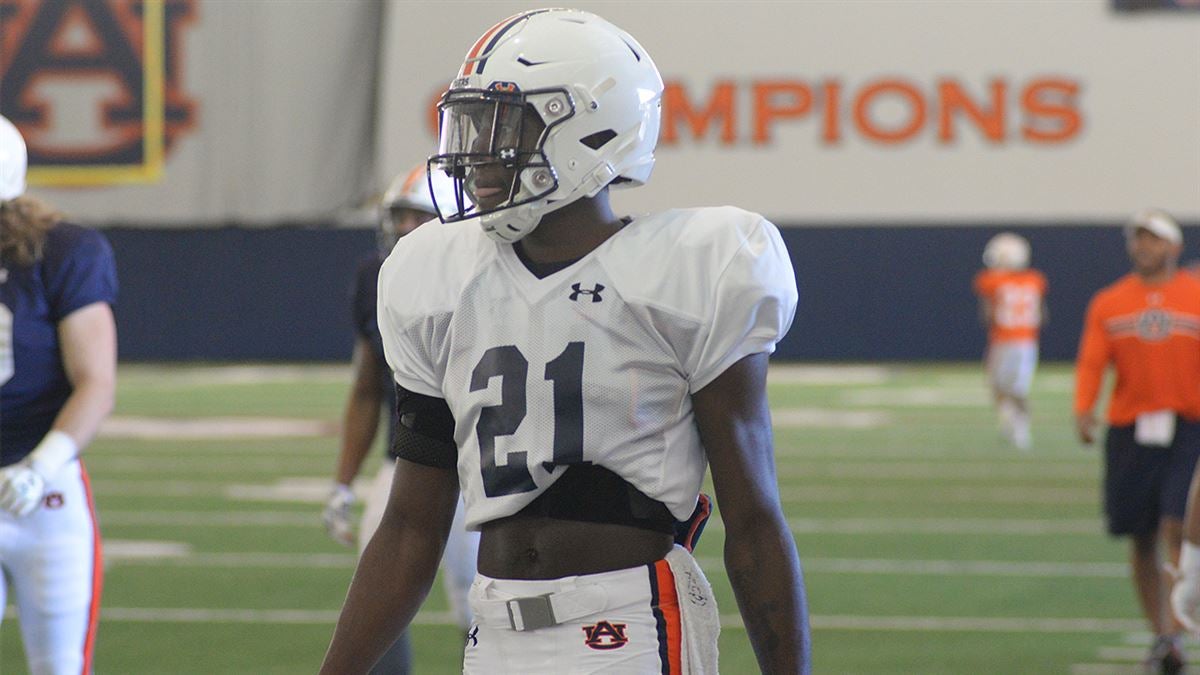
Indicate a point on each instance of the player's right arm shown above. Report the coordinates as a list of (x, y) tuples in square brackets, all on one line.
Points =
[(1094, 355), (984, 292), (360, 422), (397, 568)]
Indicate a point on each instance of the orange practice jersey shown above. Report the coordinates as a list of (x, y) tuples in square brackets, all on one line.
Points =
[(1152, 335), (1015, 298)]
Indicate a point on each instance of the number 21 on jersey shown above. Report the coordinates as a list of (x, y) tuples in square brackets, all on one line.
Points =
[(565, 373)]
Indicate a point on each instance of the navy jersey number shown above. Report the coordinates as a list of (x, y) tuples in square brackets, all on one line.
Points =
[(565, 372)]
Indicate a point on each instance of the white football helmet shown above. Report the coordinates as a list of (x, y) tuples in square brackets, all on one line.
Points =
[(13, 161), (1006, 251), (550, 105), (417, 190)]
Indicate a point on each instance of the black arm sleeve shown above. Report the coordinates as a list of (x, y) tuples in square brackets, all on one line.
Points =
[(425, 433)]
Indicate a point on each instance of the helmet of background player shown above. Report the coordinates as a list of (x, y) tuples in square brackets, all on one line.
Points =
[(411, 199), (550, 106), (12, 161), (1006, 251)]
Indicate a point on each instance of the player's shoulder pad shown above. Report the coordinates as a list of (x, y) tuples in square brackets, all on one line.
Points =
[(427, 270), (677, 259)]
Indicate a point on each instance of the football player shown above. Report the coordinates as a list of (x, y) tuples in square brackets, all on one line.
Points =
[(576, 373), (1012, 300), (406, 204), (58, 369)]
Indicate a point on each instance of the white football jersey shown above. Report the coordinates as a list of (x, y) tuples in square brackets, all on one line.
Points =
[(594, 363)]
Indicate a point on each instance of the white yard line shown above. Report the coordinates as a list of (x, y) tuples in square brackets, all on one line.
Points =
[(345, 561), (939, 494), (175, 554), (980, 526), (210, 518), (929, 471), (819, 621), (1106, 669), (969, 624), (179, 464), (192, 428), (830, 418), (986, 568)]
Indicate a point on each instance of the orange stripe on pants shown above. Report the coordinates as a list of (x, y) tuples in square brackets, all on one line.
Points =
[(668, 604), (89, 643)]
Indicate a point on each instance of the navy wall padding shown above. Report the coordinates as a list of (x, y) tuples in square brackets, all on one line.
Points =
[(866, 293), (236, 293)]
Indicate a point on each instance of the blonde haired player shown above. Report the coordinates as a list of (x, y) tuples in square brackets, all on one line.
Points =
[(1012, 306), (58, 360)]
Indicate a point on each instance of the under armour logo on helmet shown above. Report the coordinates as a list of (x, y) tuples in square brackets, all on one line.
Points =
[(594, 292)]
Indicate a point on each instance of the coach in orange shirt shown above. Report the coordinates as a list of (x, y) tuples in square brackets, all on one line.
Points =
[(1147, 325)]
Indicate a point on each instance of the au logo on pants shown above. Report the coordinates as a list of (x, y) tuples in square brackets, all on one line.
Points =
[(605, 635)]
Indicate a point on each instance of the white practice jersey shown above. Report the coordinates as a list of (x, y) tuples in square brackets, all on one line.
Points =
[(594, 363)]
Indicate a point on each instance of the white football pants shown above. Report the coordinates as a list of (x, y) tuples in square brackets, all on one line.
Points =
[(627, 622), (52, 559), (1011, 365)]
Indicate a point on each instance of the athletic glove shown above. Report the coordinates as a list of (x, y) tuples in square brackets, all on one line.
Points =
[(23, 484), (1185, 596), (337, 514)]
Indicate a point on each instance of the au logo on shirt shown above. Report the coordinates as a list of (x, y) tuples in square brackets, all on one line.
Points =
[(1154, 325), (605, 635), (94, 86)]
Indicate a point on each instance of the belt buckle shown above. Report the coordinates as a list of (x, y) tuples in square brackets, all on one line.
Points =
[(531, 613)]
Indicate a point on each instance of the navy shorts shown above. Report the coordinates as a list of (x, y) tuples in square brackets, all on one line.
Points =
[(1144, 484)]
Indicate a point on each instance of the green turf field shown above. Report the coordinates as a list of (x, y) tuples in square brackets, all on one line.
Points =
[(929, 547)]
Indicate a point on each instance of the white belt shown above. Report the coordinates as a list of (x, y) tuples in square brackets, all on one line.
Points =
[(541, 611)]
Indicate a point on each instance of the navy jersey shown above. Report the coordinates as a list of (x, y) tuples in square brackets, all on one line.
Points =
[(366, 325), (76, 270)]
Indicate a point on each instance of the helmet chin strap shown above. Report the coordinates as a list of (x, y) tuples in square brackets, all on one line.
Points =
[(513, 224)]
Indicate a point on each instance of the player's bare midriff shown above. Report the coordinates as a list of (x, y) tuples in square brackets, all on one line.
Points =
[(537, 547)]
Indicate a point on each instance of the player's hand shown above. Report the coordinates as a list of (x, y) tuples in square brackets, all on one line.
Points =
[(337, 514), (1085, 427), (21, 489), (1185, 601)]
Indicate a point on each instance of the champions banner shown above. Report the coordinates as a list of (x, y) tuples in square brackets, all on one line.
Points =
[(907, 111)]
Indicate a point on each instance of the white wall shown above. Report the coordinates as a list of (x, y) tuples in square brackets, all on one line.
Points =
[(303, 110)]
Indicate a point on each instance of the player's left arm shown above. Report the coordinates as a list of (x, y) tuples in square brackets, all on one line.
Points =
[(88, 338), (760, 553)]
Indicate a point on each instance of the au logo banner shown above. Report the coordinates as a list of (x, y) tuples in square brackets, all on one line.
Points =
[(94, 86)]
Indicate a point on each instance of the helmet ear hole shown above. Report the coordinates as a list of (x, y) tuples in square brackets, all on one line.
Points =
[(597, 140)]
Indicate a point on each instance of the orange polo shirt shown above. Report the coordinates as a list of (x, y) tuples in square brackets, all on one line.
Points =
[(1015, 297), (1151, 334)]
